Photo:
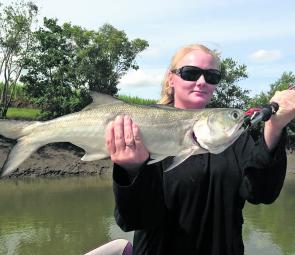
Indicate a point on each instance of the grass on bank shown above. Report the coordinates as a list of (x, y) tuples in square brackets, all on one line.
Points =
[(137, 100), (23, 113)]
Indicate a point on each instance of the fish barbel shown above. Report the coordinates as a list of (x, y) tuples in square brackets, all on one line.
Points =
[(166, 131)]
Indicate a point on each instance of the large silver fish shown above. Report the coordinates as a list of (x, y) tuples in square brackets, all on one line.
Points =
[(166, 131)]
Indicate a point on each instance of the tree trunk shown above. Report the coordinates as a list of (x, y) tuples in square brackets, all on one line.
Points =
[(3, 112)]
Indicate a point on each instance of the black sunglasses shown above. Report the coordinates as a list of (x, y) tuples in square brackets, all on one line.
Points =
[(193, 73)]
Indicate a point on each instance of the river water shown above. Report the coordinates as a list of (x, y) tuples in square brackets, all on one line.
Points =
[(71, 216)]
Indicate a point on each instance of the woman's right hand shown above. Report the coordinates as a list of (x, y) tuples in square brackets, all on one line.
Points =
[(124, 143)]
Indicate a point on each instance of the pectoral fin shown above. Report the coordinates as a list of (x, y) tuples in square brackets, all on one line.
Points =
[(185, 154), (92, 157), (156, 158), (177, 160)]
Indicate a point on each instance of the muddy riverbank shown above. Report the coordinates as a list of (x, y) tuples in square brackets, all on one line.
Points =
[(64, 159)]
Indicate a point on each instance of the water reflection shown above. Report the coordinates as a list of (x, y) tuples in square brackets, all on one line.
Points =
[(270, 229), (75, 215), (66, 216)]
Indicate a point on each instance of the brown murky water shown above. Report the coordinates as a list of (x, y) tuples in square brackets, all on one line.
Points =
[(74, 215)]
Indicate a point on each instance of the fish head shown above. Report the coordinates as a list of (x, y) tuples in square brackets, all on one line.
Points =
[(217, 129)]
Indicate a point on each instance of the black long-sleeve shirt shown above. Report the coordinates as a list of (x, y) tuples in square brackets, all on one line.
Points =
[(196, 208)]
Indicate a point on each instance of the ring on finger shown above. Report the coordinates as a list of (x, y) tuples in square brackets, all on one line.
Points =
[(131, 144)]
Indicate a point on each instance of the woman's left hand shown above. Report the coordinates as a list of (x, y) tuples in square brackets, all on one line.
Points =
[(285, 114)]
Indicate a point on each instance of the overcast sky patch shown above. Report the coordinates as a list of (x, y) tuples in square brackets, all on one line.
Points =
[(142, 78), (266, 55)]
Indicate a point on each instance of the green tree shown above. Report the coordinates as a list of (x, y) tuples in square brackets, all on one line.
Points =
[(51, 81), (68, 61), (283, 83), (16, 22), (228, 93), (106, 56)]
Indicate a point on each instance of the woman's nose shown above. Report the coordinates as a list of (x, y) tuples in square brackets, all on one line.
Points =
[(201, 81)]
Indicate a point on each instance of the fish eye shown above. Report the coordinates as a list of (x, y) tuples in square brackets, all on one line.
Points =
[(235, 115)]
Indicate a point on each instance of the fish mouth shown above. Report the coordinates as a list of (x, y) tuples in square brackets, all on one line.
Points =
[(241, 127), (236, 132), (237, 129)]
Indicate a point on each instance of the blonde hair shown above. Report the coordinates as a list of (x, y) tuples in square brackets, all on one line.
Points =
[(167, 94)]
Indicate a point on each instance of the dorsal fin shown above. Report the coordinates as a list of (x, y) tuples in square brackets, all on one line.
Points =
[(100, 99)]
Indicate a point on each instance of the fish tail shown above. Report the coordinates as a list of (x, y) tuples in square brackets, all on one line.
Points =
[(15, 129), (19, 153), (26, 145)]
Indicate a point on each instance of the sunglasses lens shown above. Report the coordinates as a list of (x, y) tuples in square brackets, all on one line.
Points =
[(193, 73), (212, 77), (190, 73)]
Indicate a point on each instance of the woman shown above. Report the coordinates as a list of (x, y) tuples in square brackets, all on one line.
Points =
[(197, 207)]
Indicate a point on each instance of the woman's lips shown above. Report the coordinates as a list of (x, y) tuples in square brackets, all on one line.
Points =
[(199, 92)]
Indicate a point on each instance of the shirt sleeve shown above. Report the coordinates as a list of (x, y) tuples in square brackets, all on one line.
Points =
[(139, 200), (263, 170)]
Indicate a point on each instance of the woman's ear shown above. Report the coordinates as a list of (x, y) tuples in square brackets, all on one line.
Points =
[(170, 79)]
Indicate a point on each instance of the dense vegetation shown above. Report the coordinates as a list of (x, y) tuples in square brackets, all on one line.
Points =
[(53, 67)]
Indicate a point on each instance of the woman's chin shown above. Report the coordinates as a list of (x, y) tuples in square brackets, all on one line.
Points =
[(196, 104), (197, 97)]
